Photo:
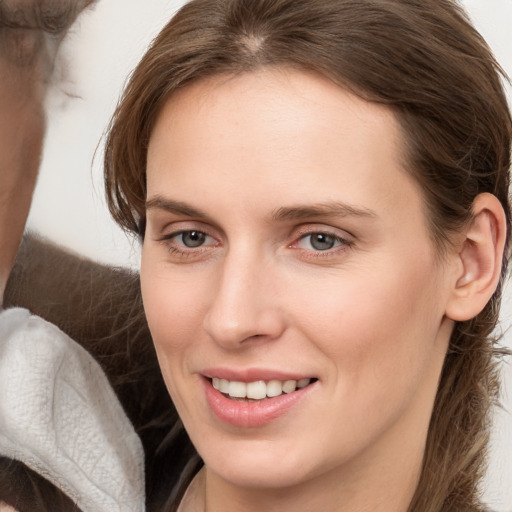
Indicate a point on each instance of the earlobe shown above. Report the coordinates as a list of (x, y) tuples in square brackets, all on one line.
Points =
[(479, 260)]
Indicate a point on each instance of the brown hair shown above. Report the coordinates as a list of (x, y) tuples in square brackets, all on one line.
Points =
[(424, 60)]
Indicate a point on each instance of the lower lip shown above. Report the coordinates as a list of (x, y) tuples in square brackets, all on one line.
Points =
[(252, 414)]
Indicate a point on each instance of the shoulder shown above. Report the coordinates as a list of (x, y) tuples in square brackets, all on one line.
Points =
[(62, 419), (33, 352)]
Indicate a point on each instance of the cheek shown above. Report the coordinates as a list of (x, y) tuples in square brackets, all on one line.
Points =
[(378, 329), (170, 322), (172, 303), (168, 317), (379, 341)]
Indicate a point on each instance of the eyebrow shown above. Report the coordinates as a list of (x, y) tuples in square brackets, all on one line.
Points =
[(329, 209), (177, 207)]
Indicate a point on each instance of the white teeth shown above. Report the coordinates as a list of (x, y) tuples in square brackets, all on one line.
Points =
[(237, 389), (223, 386), (289, 386), (274, 388), (258, 390)]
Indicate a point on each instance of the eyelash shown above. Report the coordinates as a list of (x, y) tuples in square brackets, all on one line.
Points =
[(342, 243), (185, 252)]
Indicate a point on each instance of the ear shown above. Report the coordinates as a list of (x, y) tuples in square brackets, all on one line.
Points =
[(478, 262)]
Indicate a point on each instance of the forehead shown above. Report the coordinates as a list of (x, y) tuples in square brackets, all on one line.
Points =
[(267, 91), (279, 135), (272, 105)]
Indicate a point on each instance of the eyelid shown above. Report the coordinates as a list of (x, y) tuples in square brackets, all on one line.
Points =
[(309, 229), (176, 233), (345, 239), (179, 252), (167, 230)]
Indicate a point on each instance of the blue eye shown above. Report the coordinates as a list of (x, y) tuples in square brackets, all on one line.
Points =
[(320, 241), (189, 244), (192, 238)]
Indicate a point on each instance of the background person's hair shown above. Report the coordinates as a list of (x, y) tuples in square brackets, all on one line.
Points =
[(425, 61), (30, 33)]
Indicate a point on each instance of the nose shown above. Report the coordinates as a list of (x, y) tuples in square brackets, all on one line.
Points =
[(244, 305)]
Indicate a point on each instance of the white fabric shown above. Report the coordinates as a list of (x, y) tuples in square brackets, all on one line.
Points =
[(60, 417)]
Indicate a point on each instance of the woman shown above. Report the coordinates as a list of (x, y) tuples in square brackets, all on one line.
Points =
[(321, 191)]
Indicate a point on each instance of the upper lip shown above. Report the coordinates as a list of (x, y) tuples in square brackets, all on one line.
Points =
[(253, 374)]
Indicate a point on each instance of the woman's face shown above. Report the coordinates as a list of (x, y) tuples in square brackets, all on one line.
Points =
[(287, 246)]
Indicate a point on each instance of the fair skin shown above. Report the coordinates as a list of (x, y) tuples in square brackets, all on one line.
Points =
[(285, 240)]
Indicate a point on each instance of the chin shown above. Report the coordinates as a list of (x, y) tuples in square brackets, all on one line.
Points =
[(260, 477), (257, 466)]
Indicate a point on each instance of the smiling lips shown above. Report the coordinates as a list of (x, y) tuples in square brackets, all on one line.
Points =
[(255, 403), (258, 390)]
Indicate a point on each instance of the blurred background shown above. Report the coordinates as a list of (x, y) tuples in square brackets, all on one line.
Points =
[(69, 207)]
